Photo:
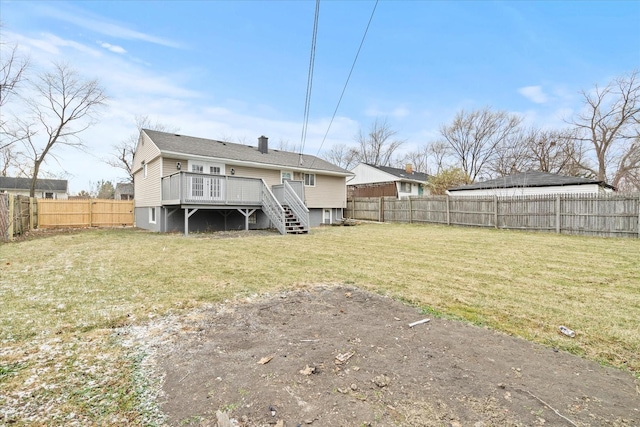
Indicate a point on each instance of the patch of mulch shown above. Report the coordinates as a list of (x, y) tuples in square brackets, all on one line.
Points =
[(341, 356)]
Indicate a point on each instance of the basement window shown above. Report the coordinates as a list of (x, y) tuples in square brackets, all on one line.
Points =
[(152, 215)]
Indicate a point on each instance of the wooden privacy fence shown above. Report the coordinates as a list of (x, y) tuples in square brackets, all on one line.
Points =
[(84, 213), (19, 214), (616, 215)]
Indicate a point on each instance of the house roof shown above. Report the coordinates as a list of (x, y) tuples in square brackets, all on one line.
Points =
[(124, 188), (24, 184), (402, 173), (530, 179), (170, 143)]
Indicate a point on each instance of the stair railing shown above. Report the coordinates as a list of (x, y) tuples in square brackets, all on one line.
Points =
[(273, 209), (296, 205)]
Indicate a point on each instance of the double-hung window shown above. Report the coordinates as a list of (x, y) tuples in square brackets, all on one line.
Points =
[(310, 179)]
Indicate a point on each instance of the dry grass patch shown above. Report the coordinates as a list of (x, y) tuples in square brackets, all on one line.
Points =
[(63, 296)]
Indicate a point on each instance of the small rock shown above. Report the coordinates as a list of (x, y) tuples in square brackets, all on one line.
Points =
[(381, 381), (354, 387)]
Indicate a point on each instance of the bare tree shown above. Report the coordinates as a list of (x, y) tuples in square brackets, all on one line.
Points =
[(418, 159), (609, 125), (13, 68), (63, 106), (438, 151), (286, 145), (377, 147), (122, 156), (341, 155), (475, 137)]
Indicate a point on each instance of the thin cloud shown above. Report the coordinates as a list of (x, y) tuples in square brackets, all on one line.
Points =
[(398, 112), (102, 26), (113, 48), (534, 94)]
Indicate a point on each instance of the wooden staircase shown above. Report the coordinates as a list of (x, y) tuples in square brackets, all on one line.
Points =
[(292, 223)]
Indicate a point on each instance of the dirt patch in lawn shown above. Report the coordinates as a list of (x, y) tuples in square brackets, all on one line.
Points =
[(340, 356)]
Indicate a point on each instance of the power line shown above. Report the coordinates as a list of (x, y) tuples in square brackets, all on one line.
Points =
[(307, 101), (347, 82)]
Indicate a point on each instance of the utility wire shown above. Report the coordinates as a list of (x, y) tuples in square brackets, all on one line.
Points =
[(347, 82), (307, 101)]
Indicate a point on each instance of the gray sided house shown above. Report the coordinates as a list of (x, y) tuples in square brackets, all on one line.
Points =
[(189, 184), (532, 183), (45, 188)]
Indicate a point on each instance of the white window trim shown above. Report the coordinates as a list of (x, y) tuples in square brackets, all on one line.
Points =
[(304, 178), (206, 166), (282, 178), (144, 169), (153, 215)]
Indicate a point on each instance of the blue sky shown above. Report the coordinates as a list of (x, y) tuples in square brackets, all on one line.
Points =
[(237, 70)]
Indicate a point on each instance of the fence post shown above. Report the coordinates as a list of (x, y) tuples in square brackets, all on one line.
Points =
[(90, 219), (495, 211), (410, 211), (558, 213), (381, 210), (638, 217), (448, 212), (31, 219), (11, 228)]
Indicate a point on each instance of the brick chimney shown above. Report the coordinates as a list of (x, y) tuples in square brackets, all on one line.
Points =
[(409, 168), (263, 144)]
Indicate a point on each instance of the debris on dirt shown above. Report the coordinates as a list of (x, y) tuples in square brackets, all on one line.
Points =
[(381, 381), (280, 423), (308, 370), (568, 332), (457, 374), (419, 322), (272, 410), (265, 360), (347, 294), (342, 358), (223, 419)]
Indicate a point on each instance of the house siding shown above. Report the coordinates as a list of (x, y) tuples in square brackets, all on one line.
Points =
[(329, 192), (270, 176), (146, 150), (38, 194), (365, 174), (148, 190), (531, 191)]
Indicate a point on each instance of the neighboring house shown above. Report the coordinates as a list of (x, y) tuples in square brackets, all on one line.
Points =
[(377, 181), (124, 191), (184, 183), (45, 188), (532, 183)]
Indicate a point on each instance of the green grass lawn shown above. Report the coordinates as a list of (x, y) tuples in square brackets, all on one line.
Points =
[(66, 292)]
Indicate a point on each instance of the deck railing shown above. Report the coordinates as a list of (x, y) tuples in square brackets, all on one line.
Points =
[(197, 188)]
